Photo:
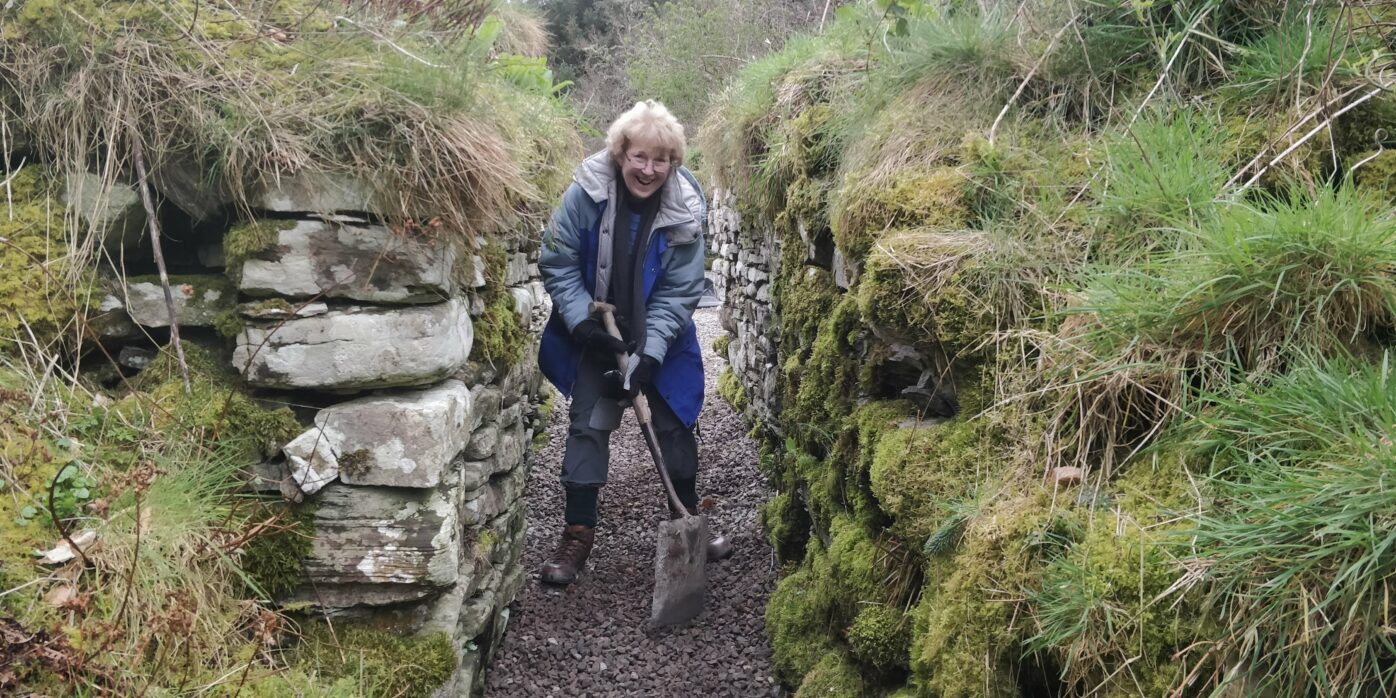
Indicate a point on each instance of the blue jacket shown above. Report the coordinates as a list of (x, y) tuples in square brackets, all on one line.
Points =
[(576, 265)]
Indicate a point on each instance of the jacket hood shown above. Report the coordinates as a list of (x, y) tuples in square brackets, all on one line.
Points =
[(679, 201)]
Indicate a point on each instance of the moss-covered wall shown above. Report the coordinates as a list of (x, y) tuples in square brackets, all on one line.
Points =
[(993, 350)]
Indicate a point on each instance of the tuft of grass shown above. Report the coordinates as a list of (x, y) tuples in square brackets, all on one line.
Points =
[(1298, 554), (1261, 285), (1305, 51), (968, 46), (1162, 174), (422, 115)]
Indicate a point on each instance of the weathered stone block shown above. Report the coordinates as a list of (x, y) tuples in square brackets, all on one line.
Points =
[(357, 348), (482, 443), (198, 300), (408, 439), (517, 272), (112, 321), (376, 546), (114, 214), (315, 192), (494, 498), (358, 262)]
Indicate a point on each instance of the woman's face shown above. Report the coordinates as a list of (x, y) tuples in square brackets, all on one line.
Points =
[(644, 167)]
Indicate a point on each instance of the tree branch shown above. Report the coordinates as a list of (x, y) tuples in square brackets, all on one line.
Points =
[(138, 156)]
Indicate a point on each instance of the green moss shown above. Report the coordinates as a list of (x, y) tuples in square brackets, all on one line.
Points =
[(866, 207), (1106, 609), (802, 298), (499, 334), (966, 642), (216, 411), (380, 662), (880, 637), (1378, 175), (721, 344), (36, 290), (825, 393), (250, 240), (918, 472), (485, 543), (229, 323), (274, 561), (731, 390), (799, 622), (787, 525), (834, 676)]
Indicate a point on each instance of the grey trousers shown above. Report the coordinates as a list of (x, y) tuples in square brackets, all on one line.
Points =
[(588, 453)]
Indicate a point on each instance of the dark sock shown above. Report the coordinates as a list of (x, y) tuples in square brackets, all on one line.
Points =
[(687, 490), (581, 506)]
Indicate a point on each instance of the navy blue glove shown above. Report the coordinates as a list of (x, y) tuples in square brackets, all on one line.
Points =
[(643, 376), (590, 334)]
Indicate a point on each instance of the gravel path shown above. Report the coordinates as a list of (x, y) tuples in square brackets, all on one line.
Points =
[(590, 639)]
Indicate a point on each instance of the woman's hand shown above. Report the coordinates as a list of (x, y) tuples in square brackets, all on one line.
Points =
[(590, 334), (643, 376)]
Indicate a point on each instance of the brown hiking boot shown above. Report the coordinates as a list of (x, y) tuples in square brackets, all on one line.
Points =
[(570, 556), (719, 548)]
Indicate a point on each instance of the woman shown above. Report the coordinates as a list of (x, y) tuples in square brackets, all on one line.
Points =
[(629, 232)]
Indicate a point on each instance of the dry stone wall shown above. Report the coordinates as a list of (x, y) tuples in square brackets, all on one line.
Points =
[(744, 269), (415, 452)]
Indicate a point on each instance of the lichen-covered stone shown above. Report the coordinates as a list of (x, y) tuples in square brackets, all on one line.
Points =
[(114, 214), (380, 545), (357, 347), (316, 258), (405, 439), (198, 300)]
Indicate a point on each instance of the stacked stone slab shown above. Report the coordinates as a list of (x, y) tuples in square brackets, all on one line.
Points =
[(744, 269), (416, 476), (415, 463)]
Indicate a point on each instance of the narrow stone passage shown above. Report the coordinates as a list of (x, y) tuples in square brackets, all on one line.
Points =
[(590, 638)]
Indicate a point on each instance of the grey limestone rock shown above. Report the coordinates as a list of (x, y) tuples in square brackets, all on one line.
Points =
[(198, 300), (378, 545), (405, 439), (315, 192), (316, 258), (357, 348), (113, 213), (482, 442)]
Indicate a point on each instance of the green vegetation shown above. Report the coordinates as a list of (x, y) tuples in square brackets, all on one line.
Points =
[(731, 390), (41, 291), (426, 110), (1142, 250)]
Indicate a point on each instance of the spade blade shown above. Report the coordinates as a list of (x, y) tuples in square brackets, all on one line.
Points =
[(680, 577)]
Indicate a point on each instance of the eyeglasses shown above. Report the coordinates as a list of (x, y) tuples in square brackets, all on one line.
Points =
[(659, 164)]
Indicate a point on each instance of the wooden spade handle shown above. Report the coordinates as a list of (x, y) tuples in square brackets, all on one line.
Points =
[(642, 408)]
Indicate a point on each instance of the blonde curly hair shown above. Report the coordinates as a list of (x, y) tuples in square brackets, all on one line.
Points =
[(647, 121)]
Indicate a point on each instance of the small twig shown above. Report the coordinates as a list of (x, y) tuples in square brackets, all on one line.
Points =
[(1312, 132), (143, 184), (58, 523), (993, 130), (390, 42), (1381, 149)]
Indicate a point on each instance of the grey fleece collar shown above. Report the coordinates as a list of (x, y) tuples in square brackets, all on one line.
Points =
[(678, 205)]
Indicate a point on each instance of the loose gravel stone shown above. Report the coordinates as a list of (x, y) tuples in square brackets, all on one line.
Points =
[(590, 638)]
